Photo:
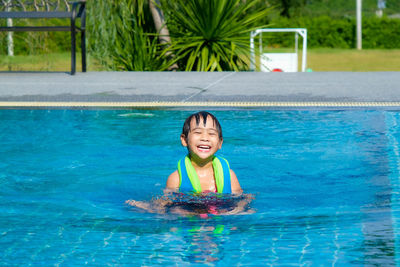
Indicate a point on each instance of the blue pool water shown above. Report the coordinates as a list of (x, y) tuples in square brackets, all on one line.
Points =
[(325, 184)]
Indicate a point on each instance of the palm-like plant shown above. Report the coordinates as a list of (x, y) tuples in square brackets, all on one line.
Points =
[(122, 36), (212, 35)]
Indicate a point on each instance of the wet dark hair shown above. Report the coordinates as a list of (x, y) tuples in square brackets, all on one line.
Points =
[(197, 116)]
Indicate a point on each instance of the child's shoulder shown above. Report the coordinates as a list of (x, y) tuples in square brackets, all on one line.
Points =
[(173, 180), (235, 185)]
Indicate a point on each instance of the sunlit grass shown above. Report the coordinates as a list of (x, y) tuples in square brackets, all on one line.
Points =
[(328, 59), (317, 60), (353, 60), (52, 62)]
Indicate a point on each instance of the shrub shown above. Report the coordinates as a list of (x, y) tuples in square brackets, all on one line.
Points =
[(121, 36), (210, 35), (340, 33), (381, 33)]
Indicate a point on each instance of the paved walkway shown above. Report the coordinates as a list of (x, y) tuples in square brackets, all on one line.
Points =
[(195, 88)]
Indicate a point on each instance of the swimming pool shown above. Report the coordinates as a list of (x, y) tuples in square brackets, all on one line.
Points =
[(325, 183)]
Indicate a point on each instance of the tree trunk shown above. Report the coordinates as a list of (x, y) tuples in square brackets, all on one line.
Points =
[(285, 8), (10, 39), (161, 27)]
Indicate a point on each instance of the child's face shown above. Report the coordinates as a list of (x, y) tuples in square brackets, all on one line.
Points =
[(203, 140)]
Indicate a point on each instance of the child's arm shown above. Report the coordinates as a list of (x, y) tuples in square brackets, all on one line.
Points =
[(151, 206), (241, 206), (237, 190), (158, 205), (172, 182), (235, 185)]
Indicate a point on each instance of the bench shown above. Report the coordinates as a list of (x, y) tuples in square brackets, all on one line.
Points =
[(49, 9)]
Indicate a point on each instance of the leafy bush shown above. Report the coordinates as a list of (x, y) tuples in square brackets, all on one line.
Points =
[(341, 33), (210, 35), (120, 36), (331, 8), (381, 33)]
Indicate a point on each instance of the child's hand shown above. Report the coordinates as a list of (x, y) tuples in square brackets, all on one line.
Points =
[(154, 206), (130, 202), (140, 204)]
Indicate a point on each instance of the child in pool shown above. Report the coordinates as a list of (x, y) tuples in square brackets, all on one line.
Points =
[(200, 171)]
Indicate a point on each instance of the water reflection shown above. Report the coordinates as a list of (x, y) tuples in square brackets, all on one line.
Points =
[(204, 242)]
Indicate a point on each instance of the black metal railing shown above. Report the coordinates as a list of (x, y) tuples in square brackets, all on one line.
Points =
[(46, 9)]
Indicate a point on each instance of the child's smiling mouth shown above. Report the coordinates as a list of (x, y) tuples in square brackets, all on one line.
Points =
[(204, 148)]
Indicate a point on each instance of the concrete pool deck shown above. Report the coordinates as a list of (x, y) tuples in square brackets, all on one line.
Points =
[(185, 89)]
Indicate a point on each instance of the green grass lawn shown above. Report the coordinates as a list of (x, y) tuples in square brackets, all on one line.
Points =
[(353, 60), (317, 60), (46, 62)]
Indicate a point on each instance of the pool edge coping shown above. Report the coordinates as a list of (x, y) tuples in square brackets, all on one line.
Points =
[(167, 104)]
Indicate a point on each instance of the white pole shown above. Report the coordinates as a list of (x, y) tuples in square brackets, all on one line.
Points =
[(304, 56), (10, 39), (359, 27), (252, 53)]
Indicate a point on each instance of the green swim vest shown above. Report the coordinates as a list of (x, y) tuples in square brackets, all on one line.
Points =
[(189, 180)]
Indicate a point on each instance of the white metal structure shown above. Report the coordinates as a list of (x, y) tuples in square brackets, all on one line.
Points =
[(285, 62), (297, 32), (359, 24)]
